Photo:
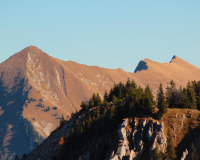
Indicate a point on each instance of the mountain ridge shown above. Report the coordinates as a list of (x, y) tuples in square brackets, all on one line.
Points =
[(42, 89)]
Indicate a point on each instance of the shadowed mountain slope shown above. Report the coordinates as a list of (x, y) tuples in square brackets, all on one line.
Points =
[(36, 90)]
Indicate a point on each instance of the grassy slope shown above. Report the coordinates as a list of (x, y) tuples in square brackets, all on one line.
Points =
[(184, 131)]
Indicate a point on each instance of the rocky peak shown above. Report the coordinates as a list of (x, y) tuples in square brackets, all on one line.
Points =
[(174, 57), (142, 65)]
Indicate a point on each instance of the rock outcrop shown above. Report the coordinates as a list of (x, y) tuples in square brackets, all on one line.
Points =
[(185, 153), (145, 137), (123, 148), (142, 65)]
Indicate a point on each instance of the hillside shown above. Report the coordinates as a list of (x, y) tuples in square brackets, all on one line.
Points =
[(36, 90), (134, 138)]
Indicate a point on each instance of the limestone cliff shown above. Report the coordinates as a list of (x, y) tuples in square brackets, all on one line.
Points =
[(143, 137)]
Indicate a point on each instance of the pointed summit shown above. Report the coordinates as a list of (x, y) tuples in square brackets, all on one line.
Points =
[(32, 49), (174, 57)]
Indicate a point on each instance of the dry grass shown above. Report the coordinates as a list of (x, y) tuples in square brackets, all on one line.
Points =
[(180, 122), (184, 125), (185, 130)]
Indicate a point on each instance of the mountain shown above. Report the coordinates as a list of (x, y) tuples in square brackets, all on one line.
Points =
[(37, 90), (178, 69)]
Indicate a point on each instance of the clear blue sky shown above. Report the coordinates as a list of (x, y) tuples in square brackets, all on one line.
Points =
[(106, 33)]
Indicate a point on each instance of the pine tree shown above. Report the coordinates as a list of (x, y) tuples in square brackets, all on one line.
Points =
[(98, 101), (91, 103), (196, 87), (84, 105), (105, 103), (105, 96), (161, 102), (170, 146), (128, 84), (148, 101), (171, 94), (115, 100), (191, 97)]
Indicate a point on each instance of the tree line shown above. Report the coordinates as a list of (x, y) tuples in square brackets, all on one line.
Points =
[(123, 100)]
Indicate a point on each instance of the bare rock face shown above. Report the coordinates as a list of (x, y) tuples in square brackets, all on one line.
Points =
[(153, 132), (185, 153), (159, 139), (142, 65), (143, 133), (123, 148)]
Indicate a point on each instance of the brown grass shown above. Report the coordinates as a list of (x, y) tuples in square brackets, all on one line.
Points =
[(185, 135), (173, 120)]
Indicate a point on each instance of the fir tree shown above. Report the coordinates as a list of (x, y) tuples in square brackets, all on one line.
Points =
[(91, 103), (171, 94), (191, 97), (148, 101), (115, 100), (98, 101), (105, 103), (84, 105), (196, 87), (161, 102), (105, 96), (170, 146)]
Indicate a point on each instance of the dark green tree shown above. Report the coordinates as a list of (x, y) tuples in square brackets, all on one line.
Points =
[(191, 96), (105, 103), (91, 103), (189, 99), (196, 87), (84, 105), (95, 100), (161, 102), (105, 96), (171, 154), (148, 100), (98, 101), (171, 94), (115, 100)]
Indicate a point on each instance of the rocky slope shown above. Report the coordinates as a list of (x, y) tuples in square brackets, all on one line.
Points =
[(36, 90)]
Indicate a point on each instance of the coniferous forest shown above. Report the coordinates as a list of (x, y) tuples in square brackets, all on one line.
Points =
[(99, 118)]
